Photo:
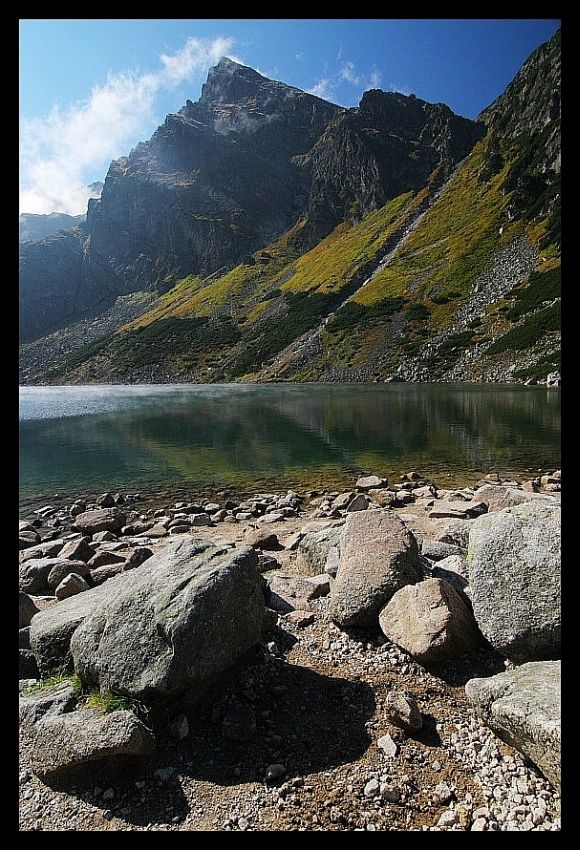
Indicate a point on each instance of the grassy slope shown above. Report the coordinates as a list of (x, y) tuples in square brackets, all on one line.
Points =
[(239, 321)]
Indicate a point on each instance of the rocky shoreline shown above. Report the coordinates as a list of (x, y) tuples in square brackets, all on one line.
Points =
[(327, 661)]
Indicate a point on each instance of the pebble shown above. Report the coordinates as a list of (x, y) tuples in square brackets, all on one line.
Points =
[(448, 818), (274, 772), (372, 788), (388, 746)]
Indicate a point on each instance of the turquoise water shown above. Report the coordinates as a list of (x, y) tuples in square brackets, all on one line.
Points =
[(242, 438)]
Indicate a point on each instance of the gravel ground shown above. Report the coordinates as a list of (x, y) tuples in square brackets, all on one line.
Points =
[(316, 697)]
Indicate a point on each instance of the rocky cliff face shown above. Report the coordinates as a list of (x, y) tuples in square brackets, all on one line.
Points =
[(230, 174)]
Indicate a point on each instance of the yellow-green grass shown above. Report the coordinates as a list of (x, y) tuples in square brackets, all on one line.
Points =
[(452, 245)]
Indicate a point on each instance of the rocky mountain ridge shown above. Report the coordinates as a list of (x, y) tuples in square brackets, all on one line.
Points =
[(308, 199)]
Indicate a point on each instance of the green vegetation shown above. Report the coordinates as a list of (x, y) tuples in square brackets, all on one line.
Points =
[(304, 311), (418, 313), (540, 287), (106, 703), (539, 370), (529, 332), (455, 343), (352, 313), (441, 258), (50, 682)]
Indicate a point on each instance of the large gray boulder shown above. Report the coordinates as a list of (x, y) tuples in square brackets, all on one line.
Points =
[(105, 519), (378, 556), (26, 610), (66, 744), (430, 621), (172, 627), (51, 631), (522, 707), (514, 576), (285, 593)]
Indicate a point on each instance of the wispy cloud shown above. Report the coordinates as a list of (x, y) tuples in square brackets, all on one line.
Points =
[(57, 150), (348, 73), (400, 89), (374, 80), (300, 56), (323, 88)]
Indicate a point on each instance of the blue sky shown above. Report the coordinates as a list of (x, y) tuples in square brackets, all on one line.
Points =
[(91, 89)]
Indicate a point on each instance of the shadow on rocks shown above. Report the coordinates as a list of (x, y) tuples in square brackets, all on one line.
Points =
[(304, 720), (480, 663), (427, 734)]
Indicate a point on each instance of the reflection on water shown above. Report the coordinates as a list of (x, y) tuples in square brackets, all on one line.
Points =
[(76, 440)]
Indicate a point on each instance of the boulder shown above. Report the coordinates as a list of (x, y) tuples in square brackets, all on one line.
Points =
[(430, 621), (402, 710), (46, 549), (51, 631), (65, 745), (172, 627), (26, 539), (77, 550), (24, 638), (64, 568), (26, 610), (522, 707), (371, 482), (266, 541), (459, 510), (137, 557), (105, 519), (436, 550), (455, 571), (383, 498), (71, 584), (314, 548), (51, 700), (286, 593), (360, 503), (107, 500), (320, 584), (497, 497), (514, 575), (379, 555), (33, 574), (456, 533), (342, 501), (104, 557), (102, 574)]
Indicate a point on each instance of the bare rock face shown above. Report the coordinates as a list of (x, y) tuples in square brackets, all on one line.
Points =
[(378, 556), (523, 708), (430, 621), (26, 610), (514, 576)]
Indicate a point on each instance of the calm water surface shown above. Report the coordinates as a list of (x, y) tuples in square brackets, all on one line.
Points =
[(85, 440)]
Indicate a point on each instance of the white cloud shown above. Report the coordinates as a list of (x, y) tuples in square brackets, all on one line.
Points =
[(323, 88), (348, 73), (400, 89), (300, 56), (374, 80), (57, 150)]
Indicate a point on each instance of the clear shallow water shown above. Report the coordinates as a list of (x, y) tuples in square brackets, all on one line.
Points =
[(85, 440)]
